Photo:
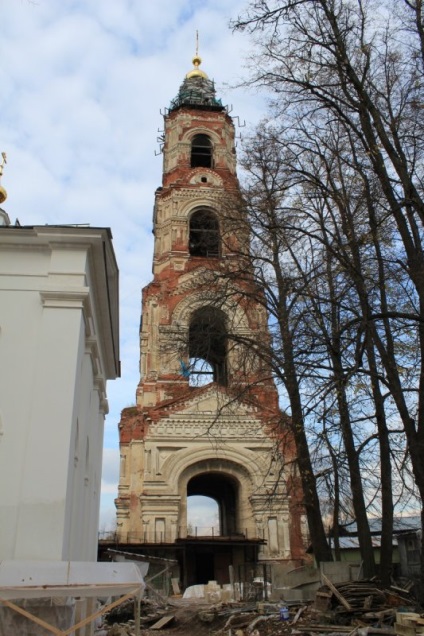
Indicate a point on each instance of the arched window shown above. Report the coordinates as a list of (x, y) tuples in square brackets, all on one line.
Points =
[(207, 346), (201, 152), (204, 234)]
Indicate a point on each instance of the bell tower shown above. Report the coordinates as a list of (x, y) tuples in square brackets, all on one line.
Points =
[(207, 420)]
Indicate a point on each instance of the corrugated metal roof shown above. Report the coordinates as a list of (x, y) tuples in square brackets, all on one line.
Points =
[(400, 524)]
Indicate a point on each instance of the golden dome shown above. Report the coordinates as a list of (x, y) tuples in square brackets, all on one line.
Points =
[(3, 194), (196, 72)]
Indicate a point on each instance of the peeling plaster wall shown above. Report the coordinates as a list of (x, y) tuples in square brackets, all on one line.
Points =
[(177, 430)]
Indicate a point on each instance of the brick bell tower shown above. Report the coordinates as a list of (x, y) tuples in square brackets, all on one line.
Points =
[(199, 427)]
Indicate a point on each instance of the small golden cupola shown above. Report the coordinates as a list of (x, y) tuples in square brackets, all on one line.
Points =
[(4, 217), (196, 71), (3, 193)]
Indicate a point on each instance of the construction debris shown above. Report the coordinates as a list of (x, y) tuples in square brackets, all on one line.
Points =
[(353, 608), (362, 598)]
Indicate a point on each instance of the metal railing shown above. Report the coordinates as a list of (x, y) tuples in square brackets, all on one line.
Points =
[(158, 537)]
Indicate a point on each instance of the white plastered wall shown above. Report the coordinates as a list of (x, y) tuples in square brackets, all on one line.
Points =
[(52, 397)]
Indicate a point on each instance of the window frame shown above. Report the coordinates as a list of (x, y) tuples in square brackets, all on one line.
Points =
[(204, 242), (201, 155)]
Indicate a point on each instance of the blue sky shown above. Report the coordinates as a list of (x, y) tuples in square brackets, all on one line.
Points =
[(82, 86)]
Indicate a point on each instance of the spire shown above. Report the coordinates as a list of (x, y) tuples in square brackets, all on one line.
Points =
[(197, 60)]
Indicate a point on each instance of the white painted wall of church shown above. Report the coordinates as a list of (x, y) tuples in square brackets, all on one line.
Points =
[(51, 407)]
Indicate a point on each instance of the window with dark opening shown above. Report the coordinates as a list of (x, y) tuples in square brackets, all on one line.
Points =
[(207, 347), (201, 152), (204, 234)]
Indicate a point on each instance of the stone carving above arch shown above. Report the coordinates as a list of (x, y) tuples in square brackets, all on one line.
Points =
[(186, 307), (203, 200), (189, 135), (179, 202), (181, 466), (203, 176), (233, 467), (199, 427)]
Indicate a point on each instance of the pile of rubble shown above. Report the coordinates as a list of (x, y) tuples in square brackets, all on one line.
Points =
[(356, 608)]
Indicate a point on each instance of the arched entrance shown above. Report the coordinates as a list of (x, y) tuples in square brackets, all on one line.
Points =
[(208, 561), (209, 555), (222, 489)]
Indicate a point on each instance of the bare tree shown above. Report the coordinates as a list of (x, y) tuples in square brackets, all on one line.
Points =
[(357, 67), (293, 267)]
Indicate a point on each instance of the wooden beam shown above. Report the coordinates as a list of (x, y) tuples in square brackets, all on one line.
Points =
[(67, 632), (336, 592)]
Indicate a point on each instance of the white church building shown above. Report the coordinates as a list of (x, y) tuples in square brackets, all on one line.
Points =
[(59, 344)]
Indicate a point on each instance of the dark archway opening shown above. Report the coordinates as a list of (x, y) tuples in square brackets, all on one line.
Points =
[(204, 234), (207, 346), (209, 557), (201, 152), (223, 490)]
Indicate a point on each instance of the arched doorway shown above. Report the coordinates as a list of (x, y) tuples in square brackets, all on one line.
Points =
[(222, 489), (211, 553)]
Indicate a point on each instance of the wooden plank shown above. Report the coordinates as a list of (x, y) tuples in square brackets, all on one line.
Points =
[(137, 615), (175, 586), (165, 620), (336, 592), (298, 614)]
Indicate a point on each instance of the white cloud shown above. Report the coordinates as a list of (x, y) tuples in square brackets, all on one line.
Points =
[(82, 88)]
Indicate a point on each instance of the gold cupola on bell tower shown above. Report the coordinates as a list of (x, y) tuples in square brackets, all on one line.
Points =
[(3, 193), (4, 217)]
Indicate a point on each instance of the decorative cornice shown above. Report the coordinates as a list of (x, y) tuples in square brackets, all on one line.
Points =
[(190, 427), (64, 298)]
